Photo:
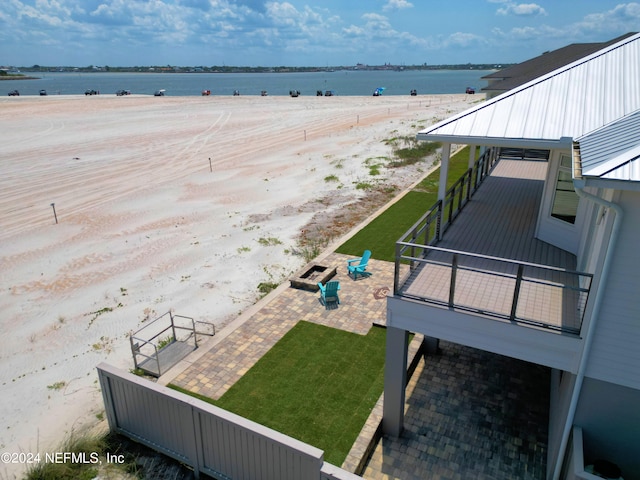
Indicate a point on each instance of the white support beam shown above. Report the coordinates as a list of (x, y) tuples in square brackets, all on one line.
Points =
[(444, 170), (395, 381)]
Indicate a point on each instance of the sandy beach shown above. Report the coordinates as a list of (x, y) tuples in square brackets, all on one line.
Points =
[(162, 203)]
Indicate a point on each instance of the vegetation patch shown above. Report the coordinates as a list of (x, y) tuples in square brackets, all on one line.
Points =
[(381, 234), (408, 151), (269, 242)]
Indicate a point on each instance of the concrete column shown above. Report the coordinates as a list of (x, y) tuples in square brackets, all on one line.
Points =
[(395, 381), (444, 170)]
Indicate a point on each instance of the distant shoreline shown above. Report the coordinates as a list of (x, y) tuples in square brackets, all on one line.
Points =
[(18, 77)]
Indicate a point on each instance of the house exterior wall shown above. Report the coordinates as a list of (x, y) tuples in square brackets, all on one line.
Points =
[(553, 230), (610, 420), (562, 384), (615, 354)]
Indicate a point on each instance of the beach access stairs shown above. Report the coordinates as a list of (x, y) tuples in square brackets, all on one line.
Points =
[(166, 340)]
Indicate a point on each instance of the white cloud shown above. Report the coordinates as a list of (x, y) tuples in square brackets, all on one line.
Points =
[(624, 17), (522, 9), (397, 5), (462, 40)]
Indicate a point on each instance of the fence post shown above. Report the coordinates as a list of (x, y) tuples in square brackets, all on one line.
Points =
[(516, 293)]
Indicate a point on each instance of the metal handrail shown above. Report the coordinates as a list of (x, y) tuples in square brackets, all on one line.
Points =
[(431, 224), (137, 342), (580, 287)]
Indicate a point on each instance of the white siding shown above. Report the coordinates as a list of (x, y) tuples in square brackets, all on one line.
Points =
[(615, 355)]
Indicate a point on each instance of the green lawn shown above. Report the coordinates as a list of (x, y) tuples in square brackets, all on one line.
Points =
[(317, 384), (383, 232)]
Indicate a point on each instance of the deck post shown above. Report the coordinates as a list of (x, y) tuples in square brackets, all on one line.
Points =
[(395, 381), (452, 285), (396, 271), (444, 171), (516, 292)]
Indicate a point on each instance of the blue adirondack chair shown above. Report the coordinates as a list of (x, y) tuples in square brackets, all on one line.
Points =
[(329, 292), (361, 266)]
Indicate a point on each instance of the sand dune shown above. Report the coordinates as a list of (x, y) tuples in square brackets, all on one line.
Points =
[(161, 204)]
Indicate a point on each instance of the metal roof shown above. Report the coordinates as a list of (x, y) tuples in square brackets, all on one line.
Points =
[(613, 151), (555, 108), (516, 75)]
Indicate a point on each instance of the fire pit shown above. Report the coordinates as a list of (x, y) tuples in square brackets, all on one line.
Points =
[(309, 276)]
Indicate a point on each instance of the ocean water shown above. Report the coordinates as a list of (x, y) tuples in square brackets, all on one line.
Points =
[(342, 82)]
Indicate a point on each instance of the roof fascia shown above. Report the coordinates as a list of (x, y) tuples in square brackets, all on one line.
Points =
[(608, 183), (563, 143)]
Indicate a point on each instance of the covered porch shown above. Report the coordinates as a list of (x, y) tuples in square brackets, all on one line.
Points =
[(475, 275)]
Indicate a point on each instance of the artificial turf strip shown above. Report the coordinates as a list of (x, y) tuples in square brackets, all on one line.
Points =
[(317, 384), (382, 233)]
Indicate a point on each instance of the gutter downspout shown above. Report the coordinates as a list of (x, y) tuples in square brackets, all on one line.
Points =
[(579, 184)]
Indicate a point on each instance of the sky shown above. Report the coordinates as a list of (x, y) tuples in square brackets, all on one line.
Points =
[(300, 32)]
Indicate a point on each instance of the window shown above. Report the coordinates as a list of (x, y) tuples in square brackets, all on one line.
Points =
[(565, 199)]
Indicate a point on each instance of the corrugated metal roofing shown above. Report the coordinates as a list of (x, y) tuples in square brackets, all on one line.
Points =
[(613, 151), (568, 102), (516, 75)]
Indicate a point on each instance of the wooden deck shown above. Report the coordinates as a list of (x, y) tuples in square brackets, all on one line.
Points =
[(500, 222)]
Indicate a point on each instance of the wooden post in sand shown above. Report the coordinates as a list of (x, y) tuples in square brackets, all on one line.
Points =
[(210, 167), (53, 205)]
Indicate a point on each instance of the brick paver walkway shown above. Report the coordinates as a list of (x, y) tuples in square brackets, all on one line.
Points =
[(362, 303), (469, 414)]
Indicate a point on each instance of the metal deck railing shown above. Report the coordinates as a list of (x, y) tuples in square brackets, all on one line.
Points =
[(518, 290)]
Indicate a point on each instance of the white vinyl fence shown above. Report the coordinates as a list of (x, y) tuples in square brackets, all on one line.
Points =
[(207, 438)]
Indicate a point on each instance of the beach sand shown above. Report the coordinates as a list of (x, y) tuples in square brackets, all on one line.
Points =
[(162, 203)]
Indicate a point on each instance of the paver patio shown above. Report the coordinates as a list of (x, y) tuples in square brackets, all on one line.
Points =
[(469, 414), (363, 303)]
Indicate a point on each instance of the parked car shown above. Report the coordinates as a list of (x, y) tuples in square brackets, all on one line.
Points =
[(413, 92), (159, 93), (14, 93), (470, 90), (43, 92), (91, 92), (121, 93)]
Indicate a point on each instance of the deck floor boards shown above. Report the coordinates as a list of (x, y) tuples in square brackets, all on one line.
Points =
[(500, 221)]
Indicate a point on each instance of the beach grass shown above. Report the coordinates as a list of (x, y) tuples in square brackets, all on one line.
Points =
[(317, 384), (86, 459), (382, 233)]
